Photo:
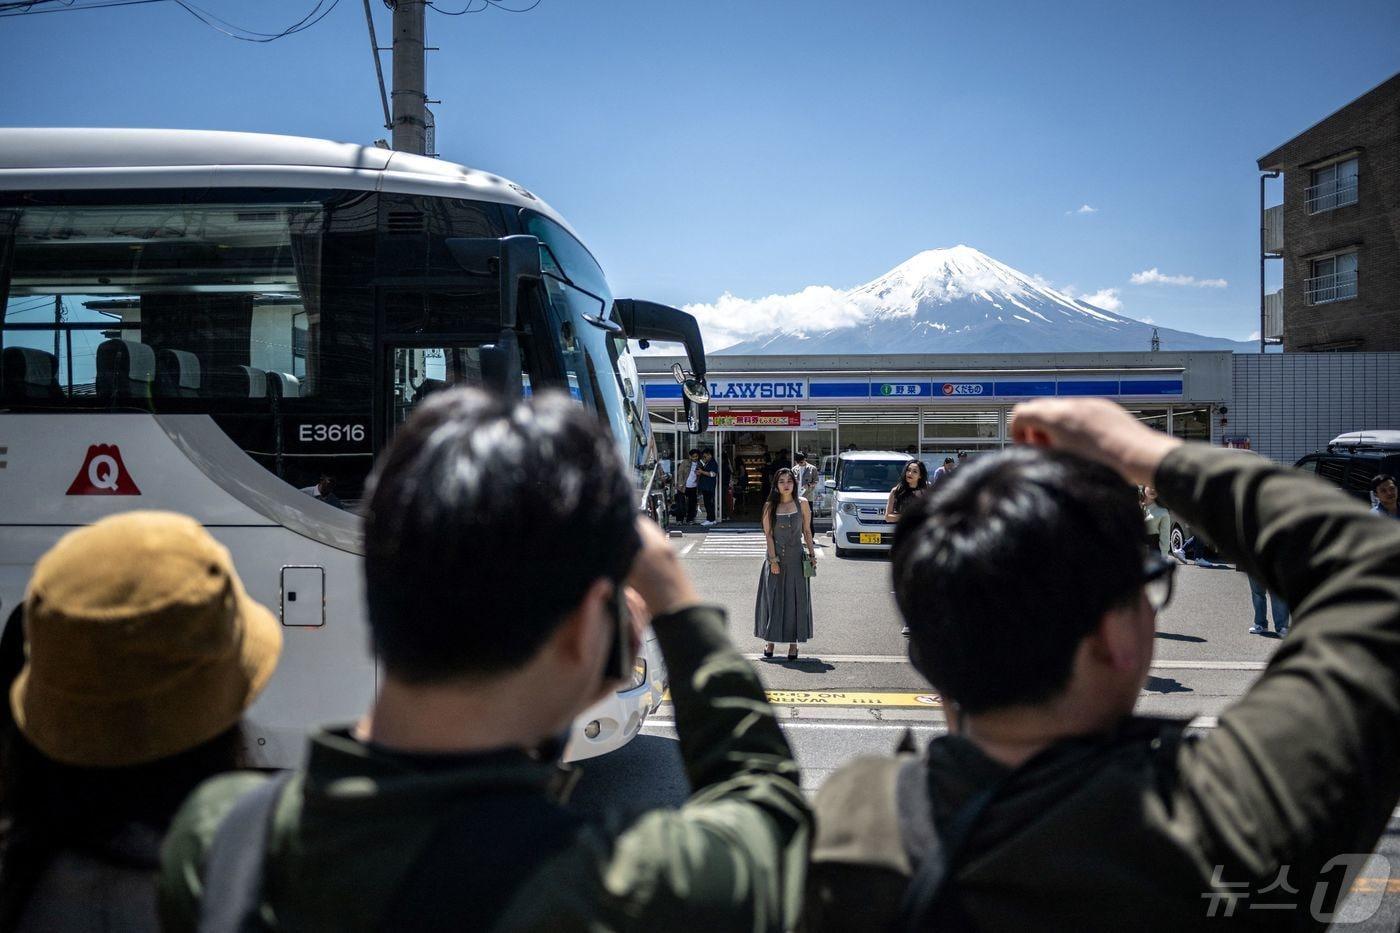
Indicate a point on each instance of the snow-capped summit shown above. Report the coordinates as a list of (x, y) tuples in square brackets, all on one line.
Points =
[(960, 300)]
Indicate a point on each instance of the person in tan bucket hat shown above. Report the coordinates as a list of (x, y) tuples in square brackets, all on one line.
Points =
[(141, 652)]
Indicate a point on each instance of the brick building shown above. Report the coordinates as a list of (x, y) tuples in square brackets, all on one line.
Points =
[(1338, 230)]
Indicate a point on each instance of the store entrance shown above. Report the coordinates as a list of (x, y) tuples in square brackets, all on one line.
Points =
[(747, 461), (756, 456)]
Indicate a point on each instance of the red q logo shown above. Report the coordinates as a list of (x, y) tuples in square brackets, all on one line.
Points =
[(103, 474), (947, 388)]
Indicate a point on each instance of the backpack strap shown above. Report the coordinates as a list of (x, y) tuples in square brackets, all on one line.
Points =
[(233, 866), (936, 850)]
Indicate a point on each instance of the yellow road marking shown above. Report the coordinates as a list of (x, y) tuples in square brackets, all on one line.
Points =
[(849, 698)]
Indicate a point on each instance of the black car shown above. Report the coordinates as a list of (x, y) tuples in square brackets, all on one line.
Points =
[(1352, 460)]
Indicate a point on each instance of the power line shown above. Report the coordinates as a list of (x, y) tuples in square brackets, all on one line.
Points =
[(25, 8), (217, 23), (471, 7)]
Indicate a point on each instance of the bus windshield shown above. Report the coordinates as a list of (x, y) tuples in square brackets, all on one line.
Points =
[(594, 343)]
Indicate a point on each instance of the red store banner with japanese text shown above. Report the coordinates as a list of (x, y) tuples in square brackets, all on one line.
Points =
[(740, 420)]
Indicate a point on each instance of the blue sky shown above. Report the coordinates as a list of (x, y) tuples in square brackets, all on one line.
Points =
[(756, 148)]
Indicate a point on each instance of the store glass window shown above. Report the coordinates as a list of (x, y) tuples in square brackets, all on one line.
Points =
[(898, 437), (1155, 418), (1192, 424), (961, 423)]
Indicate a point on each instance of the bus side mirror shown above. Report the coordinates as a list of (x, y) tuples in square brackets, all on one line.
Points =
[(647, 320), (501, 365), (514, 259)]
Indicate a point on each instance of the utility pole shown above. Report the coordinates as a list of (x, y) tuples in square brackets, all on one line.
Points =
[(1156, 341), (409, 95)]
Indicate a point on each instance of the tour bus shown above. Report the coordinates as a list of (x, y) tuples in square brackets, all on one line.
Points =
[(233, 325)]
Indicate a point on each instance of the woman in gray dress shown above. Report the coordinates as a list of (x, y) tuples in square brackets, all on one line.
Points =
[(783, 611)]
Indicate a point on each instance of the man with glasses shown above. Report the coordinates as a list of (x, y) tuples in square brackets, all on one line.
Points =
[(1049, 805)]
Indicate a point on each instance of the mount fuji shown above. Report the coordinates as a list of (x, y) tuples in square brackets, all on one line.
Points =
[(956, 300)]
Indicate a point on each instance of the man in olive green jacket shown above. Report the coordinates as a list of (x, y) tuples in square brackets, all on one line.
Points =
[(1049, 805), (496, 601)]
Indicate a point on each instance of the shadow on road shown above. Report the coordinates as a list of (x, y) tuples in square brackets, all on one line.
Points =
[(1166, 685), (1172, 636), (805, 665)]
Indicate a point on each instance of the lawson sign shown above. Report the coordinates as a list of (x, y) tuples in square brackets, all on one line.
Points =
[(759, 389)]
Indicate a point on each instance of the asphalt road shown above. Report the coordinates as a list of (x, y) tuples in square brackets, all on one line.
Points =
[(853, 692)]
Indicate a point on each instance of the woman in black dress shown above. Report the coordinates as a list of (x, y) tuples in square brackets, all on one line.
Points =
[(913, 485)]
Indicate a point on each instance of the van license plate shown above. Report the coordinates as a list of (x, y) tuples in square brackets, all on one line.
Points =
[(869, 537)]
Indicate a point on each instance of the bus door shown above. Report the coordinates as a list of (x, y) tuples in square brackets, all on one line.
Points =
[(413, 371)]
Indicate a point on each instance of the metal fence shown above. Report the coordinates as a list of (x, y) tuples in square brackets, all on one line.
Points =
[(1329, 195), (1321, 289)]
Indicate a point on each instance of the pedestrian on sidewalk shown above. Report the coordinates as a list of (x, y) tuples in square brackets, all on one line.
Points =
[(688, 483), (783, 608), (1050, 804), (806, 475), (140, 652), (1387, 501), (1157, 521), (913, 485), (442, 808), (707, 480), (1259, 596)]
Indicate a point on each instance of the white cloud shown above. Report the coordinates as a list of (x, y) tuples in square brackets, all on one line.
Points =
[(1153, 277), (815, 309), (1148, 320), (1253, 335), (1083, 209), (1106, 298)]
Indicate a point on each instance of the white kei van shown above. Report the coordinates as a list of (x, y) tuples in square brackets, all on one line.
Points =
[(858, 495)]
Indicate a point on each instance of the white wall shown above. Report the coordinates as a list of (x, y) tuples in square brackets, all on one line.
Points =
[(1290, 404)]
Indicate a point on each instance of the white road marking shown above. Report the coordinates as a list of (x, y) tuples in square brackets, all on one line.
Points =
[(688, 548), (1200, 722), (738, 544), (1160, 665)]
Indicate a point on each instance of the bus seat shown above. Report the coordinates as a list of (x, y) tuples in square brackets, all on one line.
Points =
[(29, 373), (178, 374), (283, 385), (126, 369), (241, 381)]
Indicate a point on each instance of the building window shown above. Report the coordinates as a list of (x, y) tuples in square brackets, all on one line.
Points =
[(1192, 424), (1331, 279), (1332, 186)]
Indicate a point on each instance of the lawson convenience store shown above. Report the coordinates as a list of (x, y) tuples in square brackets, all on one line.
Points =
[(765, 408)]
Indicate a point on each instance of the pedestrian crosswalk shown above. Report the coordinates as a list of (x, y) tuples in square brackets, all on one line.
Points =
[(733, 544), (737, 544)]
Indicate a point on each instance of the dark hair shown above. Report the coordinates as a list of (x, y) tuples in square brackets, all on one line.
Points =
[(770, 505), (1380, 478), (948, 460), (799, 456), (903, 491), (1006, 565), (488, 520), (47, 807), (692, 452)]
